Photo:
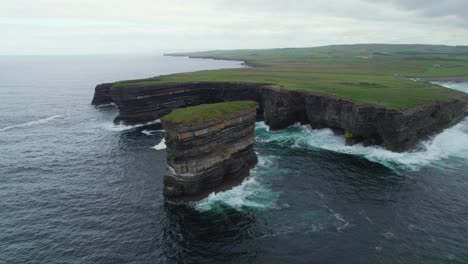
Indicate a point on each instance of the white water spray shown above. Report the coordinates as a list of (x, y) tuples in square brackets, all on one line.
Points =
[(121, 127)]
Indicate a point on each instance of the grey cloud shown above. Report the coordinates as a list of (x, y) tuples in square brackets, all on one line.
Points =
[(434, 8), (66, 26)]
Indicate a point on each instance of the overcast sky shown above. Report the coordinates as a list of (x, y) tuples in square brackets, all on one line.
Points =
[(143, 26)]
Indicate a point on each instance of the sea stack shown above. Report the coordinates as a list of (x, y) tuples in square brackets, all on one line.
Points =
[(209, 148)]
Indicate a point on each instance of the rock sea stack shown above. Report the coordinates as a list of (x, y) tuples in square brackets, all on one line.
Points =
[(209, 148)]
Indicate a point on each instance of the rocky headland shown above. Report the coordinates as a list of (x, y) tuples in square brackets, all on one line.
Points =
[(209, 148), (396, 130), (102, 94)]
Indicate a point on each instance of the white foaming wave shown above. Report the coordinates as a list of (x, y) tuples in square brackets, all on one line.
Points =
[(250, 194), (106, 105), (32, 123), (121, 127), (262, 125), (161, 145), (261, 160), (236, 197), (452, 142), (147, 132), (151, 132)]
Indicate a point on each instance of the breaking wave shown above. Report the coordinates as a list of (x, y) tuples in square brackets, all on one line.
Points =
[(32, 123), (151, 132), (252, 193), (109, 105), (452, 142), (120, 127), (161, 145)]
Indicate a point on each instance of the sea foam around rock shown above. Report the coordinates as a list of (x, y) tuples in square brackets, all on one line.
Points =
[(121, 127), (452, 142)]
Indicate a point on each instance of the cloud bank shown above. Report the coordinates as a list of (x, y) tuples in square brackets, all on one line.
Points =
[(143, 26)]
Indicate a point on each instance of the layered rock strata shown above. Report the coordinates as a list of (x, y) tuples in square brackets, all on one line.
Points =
[(396, 130), (210, 155), (102, 94)]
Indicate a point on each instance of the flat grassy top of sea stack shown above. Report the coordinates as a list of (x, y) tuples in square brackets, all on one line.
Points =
[(205, 112)]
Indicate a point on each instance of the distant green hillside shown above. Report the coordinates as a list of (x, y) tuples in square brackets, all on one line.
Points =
[(374, 74)]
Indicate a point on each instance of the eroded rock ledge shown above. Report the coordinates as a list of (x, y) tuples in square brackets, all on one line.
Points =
[(209, 155), (396, 130)]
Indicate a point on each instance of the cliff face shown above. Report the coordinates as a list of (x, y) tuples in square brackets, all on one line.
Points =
[(102, 94), (209, 155), (283, 108), (150, 103), (395, 130)]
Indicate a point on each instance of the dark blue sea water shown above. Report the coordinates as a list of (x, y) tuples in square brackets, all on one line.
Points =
[(74, 188)]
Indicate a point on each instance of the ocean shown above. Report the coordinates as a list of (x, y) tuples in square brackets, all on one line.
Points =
[(75, 188)]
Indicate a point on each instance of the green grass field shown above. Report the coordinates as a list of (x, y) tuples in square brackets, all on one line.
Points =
[(199, 113), (374, 74)]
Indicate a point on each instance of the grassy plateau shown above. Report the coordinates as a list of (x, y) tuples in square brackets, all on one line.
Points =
[(199, 113), (373, 74)]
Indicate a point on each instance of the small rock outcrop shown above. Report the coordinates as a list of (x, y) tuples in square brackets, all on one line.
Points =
[(208, 154)]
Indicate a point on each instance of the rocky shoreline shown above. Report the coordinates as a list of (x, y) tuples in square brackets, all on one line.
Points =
[(210, 155), (396, 130)]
